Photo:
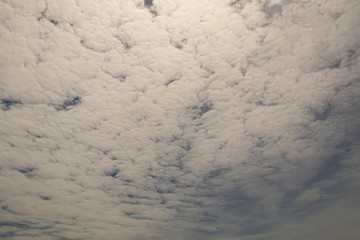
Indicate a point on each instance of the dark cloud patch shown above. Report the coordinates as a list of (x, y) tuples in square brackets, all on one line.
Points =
[(113, 173), (8, 103), (8, 234), (34, 135), (216, 173), (125, 43), (171, 81), (83, 42), (119, 76), (148, 3), (29, 172), (205, 107), (327, 169), (46, 198), (69, 103), (238, 3), (186, 146), (19, 228), (209, 70), (172, 160), (350, 56), (129, 213), (154, 12), (335, 64), (15, 224), (93, 47), (53, 21), (45, 16), (321, 114), (209, 217), (243, 71), (271, 10), (6, 208), (131, 196), (164, 190), (43, 12), (233, 2), (179, 44)]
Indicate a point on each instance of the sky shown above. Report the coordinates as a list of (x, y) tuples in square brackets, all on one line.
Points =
[(180, 119)]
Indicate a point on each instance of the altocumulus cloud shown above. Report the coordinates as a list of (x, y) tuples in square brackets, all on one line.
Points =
[(217, 119)]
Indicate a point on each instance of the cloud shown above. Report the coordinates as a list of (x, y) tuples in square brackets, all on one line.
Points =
[(150, 119)]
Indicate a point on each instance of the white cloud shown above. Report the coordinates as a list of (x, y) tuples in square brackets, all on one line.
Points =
[(206, 120)]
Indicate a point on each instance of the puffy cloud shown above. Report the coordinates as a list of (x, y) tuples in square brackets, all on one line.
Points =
[(149, 119)]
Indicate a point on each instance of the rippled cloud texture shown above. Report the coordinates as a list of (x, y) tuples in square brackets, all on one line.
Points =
[(179, 119)]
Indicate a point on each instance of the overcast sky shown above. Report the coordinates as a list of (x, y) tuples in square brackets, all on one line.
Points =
[(180, 119)]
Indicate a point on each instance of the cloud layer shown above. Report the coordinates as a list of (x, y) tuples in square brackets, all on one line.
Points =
[(207, 119)]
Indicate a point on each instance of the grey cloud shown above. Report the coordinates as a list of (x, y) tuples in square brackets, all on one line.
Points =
[(179, 119)]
